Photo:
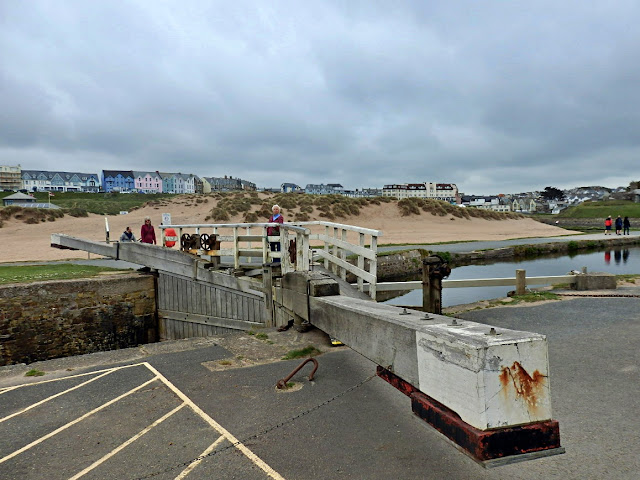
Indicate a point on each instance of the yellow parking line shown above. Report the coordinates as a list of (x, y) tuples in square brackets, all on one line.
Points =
[(73, 422), (125, 444), (236, 443), (197, 461), (71, 376), (54, 396), (8, 389)]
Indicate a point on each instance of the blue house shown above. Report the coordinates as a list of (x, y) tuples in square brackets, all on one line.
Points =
[(118, 181)]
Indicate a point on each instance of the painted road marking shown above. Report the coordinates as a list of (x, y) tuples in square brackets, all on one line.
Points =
[(93, 372), (73, 422), (197, 461), (128, 442), (234, 441), (54, 396), (224, 434)]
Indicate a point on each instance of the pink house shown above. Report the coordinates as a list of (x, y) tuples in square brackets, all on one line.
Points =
[(148, 182)]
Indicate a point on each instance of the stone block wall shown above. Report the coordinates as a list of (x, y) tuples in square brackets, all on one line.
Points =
[(53, 319)]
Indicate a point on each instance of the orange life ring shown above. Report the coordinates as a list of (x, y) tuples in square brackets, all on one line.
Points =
[(170, 237)]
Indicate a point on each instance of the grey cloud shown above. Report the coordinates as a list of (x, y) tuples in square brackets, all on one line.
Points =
[(494, 96)]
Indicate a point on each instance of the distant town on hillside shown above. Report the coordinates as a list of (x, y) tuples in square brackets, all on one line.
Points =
[(550, 200)]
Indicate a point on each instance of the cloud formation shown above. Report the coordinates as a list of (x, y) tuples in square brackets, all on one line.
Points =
[(495, 96)]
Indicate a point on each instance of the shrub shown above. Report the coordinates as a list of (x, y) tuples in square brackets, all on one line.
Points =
[(250, 217), (77, 212)]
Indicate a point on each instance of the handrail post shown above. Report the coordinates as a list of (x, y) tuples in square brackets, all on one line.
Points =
[(521, 282), (335, 250), (373, 266), (361, 264), (306, 253), (285, 261), (236, 249), (266, 247), (249, 244), (343, 255), (326, 246)]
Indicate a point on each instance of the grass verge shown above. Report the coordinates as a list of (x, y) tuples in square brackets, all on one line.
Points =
[(56, 271)]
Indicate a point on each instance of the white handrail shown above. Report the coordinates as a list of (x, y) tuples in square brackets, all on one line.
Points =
[(335, 248), (301, 235), (478, 282)]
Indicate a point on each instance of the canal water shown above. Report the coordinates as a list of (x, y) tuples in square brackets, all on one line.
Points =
[(617, 261)]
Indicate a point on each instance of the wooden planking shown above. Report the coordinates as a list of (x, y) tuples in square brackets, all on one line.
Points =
[(202, 308)]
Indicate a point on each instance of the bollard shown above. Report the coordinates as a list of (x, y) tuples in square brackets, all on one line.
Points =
[(434, 269), (521, 282)]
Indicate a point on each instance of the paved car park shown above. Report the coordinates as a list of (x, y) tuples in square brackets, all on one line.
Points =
[(160, 411)]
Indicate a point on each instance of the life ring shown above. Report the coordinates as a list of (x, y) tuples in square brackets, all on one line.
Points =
[(170, 237)]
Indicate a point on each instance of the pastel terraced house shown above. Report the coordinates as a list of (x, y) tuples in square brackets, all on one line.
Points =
[(148, 182)]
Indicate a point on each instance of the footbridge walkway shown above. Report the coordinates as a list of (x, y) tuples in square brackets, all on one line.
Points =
[(486, 389)]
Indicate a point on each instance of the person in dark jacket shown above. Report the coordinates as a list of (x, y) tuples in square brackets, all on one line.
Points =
[(275, 231), (147, 232), (619, 225), (626, 225), (127, 235)]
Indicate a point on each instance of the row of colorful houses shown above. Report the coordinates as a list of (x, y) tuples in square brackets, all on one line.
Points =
[(127, 181)]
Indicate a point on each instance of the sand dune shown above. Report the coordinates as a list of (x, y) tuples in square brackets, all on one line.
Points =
[(22, 242)]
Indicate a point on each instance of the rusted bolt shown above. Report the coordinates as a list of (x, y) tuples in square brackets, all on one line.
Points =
[(492, 332), (404, 312), (426, 317), (454, 322)]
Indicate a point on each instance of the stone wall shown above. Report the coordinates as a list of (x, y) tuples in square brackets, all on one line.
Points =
[(45, 320)]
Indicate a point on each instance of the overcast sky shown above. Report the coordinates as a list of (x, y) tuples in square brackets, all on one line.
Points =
[(495, 96)]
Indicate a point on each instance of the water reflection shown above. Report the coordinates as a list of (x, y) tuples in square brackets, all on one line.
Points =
[(619, 255), (625, 261)]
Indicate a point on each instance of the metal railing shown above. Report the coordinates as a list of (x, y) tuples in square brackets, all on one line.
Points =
[(242, 243), (338, 242)]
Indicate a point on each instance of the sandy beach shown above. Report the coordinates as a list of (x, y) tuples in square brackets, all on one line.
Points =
[(24, 242)]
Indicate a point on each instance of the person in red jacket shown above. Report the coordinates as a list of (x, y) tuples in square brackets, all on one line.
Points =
[(607, 225), (147, 232)]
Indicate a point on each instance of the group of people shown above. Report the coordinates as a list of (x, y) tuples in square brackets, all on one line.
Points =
[(622, 226), (147, 233)]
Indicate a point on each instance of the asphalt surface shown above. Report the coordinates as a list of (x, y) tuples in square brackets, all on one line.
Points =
[(344, 424)]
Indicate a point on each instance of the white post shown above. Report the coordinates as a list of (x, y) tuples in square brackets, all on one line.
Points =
[(326, 246), (249, 244), (373, 266), (361, 264), (334, 267), (306, 263), (284, 251), (236, 253), (266, 247)]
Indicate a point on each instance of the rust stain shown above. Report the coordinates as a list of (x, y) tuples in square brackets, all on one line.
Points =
[(527, 387)]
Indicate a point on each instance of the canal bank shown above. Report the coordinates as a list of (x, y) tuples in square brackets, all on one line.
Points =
[(395, 262)]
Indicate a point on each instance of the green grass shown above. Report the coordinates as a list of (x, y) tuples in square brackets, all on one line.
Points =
[(57, 271), (534, 297), (602, 209), (99, 203), (309, 351), (34, 373)]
